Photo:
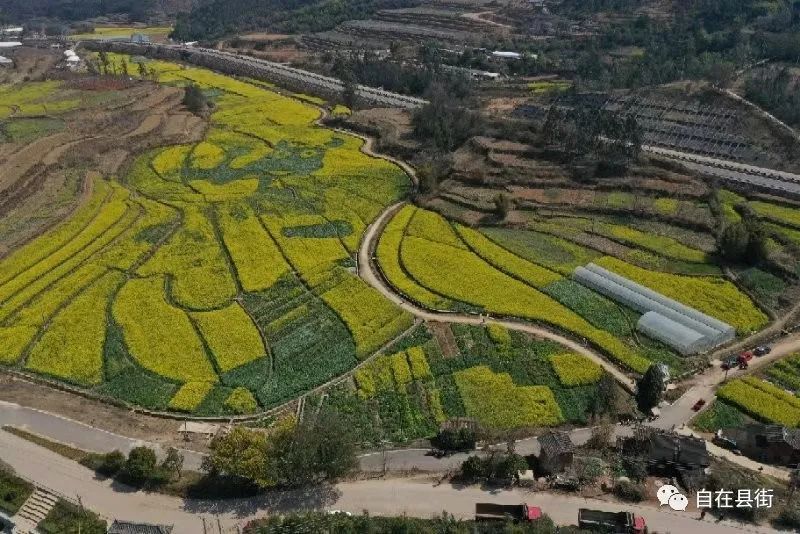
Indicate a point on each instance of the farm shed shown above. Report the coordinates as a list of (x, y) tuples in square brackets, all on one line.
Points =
[(772, 444), (557, 452), (672, 323)]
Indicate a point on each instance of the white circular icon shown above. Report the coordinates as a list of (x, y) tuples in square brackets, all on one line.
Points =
[(678, 502), (665, 492)]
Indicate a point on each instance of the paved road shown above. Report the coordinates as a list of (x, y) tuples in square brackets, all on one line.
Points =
[(378, 497), (258, 68), (79, 435)]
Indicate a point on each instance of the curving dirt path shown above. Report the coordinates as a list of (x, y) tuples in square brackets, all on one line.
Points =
[(367, 271)]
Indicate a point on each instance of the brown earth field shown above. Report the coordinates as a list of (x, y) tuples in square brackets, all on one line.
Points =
[(43, 181)]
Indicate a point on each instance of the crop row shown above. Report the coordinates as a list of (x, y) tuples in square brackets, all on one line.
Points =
[(463, 276), (388, 253), (762, 400), (372, 318)]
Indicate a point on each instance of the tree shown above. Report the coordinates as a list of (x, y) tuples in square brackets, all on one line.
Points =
[(111, 464), (495, 468), (140, 466), (462, 439), (319, 448), (443, 121), (104, 61), (142, 70), (241, 453), (432, 172), (502, 205), (173, 463), (124, 67), (601, 437), (194, 99), (310, 452), (606, 399), (650, 388), (733, 242)]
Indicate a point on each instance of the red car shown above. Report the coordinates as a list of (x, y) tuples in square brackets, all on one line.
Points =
[(699, 404), (747, 355)]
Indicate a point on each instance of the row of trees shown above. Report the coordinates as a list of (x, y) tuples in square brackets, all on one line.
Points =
[(141, 467)]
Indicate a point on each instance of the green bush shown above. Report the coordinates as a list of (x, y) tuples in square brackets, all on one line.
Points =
[(13, 492), (111, 463), (66, 518), (628, 491)]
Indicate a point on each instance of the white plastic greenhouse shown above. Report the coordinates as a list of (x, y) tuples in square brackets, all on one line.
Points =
[(683, 328)]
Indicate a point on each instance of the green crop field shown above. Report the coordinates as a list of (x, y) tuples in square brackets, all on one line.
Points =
[(212, 278), (504, 380)]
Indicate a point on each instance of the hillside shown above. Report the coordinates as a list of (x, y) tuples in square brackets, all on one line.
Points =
[(76, 10), (220, 17)]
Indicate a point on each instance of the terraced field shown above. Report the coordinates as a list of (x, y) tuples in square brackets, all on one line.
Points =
[(214, 277), (525, 274)]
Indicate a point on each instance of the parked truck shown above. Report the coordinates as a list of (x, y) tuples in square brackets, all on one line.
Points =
[(488, 511), (616, 522)]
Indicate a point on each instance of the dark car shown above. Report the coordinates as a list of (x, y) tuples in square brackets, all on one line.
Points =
[(726, 443), (730, 363), (762, 350)]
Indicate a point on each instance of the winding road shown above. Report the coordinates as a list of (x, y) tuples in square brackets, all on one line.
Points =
[(381, 497)]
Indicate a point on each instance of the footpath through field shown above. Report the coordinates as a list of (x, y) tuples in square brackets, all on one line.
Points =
[(368, 273), (378, 497)]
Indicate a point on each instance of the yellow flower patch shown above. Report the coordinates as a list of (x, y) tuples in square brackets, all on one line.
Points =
[(190, 396)]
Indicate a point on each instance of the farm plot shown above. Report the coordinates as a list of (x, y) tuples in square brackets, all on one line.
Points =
[(505, 284), (224, 263), (763, 400), (407, 394)]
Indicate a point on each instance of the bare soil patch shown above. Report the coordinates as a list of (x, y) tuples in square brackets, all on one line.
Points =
[(444, 336)]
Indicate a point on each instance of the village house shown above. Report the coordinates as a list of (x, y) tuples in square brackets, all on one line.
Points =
[(557, 452), (772, 444)]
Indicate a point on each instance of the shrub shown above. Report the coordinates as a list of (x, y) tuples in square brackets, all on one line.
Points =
[(140, 467), (241, 401), (462, 439), (629, 491), (111, 463)]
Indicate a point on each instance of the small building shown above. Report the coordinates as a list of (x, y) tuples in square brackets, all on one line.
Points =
[(556, 452), (5, 62), (669, 454), (10, 44), (772, 444), (126, 527), (140, 38)]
